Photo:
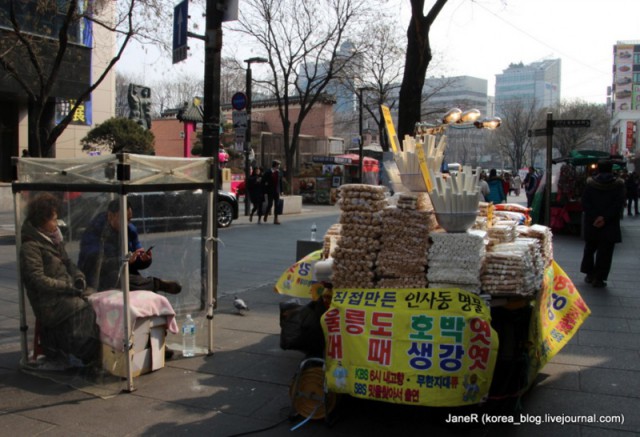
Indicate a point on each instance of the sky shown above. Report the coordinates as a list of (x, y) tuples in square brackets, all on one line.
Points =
[(481, 38)]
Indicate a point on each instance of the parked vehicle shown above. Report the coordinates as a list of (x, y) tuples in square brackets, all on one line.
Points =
[(160, 211), (152, 212)]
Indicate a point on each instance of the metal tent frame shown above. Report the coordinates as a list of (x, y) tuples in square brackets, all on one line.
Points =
[(121, 174)]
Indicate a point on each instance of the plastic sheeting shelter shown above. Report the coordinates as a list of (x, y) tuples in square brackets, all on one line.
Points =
[(171, 199)]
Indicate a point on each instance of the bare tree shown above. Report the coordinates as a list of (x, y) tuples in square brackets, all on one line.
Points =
[(301, 41), (232, 78), (418, 57), (568, 139), (41, 40), (175, 93), (375, 73), (512, 139)]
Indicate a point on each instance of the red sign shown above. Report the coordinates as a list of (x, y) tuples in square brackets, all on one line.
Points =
[(630, 143)]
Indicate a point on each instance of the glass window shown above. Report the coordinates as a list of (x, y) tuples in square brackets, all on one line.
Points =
[(36, 17)]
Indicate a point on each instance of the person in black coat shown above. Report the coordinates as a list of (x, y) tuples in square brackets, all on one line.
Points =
[(602, 201), (272, 183), (255, 191), (631, 185)]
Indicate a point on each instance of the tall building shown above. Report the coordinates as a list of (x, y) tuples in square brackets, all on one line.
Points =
[(537, 83), (625, 97), (90, 49), (464, 92), (465, 146)]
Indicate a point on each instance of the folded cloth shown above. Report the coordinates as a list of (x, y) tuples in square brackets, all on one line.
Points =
[(109, 315)]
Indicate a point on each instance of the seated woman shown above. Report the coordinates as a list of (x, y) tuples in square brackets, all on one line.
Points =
[(56, 288)]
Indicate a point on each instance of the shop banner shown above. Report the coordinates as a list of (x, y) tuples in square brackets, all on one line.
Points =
[(559, 313), (300, 280), (432, 347)]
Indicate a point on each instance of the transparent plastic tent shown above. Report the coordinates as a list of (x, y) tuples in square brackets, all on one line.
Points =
[(169, 198)]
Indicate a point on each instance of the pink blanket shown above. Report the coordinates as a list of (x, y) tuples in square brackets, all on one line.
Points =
[(109, 314)]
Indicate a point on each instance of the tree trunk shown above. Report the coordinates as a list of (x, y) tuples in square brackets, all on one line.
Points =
[(41, 121), (416, 62)]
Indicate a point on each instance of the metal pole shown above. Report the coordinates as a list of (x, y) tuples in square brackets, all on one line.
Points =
[(124, 285), (360, 145), (24, 345), (547, 187), (211, 140), (247, 143)]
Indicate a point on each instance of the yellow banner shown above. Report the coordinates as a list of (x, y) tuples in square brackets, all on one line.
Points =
[(559, 312), (424, 169), (431, 347), (391, 130), (300, 280)]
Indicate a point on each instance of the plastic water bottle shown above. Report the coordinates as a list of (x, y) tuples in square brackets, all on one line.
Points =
[(313, 232), (188, 337)]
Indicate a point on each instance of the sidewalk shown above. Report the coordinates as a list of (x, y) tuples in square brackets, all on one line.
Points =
[(244, 386)]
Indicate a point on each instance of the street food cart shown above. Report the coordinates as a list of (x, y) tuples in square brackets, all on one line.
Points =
[(568, 179), (429, 300), (135, 326)]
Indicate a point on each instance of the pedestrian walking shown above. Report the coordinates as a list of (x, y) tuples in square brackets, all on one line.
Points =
[(484, 186), (496, 188), (272, 183), (631, 185), (602, 201), (530, 185), (516, 183), (506, 185), (255, 191)]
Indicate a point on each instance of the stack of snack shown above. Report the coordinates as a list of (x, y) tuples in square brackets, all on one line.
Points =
[(331, 238), (455, 260), (402, 260), (510, 269), (536, 257), (357, 251), (414, 201), (503, 231), (544, 235)]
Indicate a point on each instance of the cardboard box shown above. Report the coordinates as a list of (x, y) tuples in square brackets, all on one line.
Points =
[(147, 352)]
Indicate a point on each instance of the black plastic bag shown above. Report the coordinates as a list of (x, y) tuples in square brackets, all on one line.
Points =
[(300, 327)]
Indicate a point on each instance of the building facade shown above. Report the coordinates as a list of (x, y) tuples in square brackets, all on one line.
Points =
[(90, 49), (464, 92), (624, 98), (535, 84)]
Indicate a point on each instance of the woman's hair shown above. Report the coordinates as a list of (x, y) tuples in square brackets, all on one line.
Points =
[(41, 208)]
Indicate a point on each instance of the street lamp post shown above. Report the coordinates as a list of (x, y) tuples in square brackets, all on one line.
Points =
[(360, 139), (247, 144)]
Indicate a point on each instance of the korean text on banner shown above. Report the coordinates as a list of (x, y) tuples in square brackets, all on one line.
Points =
[(432, 347), (559, 312), (299, 280)]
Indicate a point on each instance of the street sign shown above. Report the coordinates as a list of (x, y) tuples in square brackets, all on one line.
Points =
[(537, 132), (330, 160), (180, 22), (239, 101), (240, 119), (571, 123), (240, 122)]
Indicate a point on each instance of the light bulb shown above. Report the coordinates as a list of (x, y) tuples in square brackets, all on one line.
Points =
[(469, 116), (452, 116), (488, 123)]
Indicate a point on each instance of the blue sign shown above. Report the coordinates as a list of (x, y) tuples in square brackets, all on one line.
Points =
[(180, 22), (239, 101)]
